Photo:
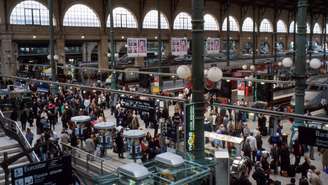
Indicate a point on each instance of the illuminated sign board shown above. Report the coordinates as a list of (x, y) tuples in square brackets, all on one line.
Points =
[(190, 128)]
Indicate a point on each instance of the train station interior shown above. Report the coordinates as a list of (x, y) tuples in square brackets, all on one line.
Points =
[(163, 92)]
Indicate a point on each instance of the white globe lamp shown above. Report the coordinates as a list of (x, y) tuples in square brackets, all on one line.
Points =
[(244, 67), (183, 72), (55, 57), (287, 62), (214, 74), (205, 72), (315, 63), (252, 67), (279, 63)]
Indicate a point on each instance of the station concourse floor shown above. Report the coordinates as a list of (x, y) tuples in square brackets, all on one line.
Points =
[(252, 126)]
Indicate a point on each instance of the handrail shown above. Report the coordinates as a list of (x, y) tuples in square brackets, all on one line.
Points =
[(13, 131), (77, 153)]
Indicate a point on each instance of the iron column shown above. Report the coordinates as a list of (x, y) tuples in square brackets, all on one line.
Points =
[(254, 37), (228, 31), (159, 37), (310, 49), (51, 41), (294, 38), (198, 76), (112, 45), (324, 38), (300, 62)]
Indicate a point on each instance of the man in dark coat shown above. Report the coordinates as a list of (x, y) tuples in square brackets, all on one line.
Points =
[(284, 158), (120, 144), (259, 175)]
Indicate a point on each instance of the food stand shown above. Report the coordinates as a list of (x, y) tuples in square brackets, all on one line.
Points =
[(133, 140), (105, 136), (171, 169)]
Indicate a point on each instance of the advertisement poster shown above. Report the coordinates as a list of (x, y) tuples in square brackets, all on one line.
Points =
[(240, 89), (213, 46), (137, 47), (179, 46)]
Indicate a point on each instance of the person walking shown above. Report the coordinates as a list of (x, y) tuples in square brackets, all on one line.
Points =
[(284, 159), (23, 119), (275, 158), (29, 136), (315, 178), (252, 142), (298, 151), (120, 144), (90, 146), (246, 148), (324, 158), (259, 175)]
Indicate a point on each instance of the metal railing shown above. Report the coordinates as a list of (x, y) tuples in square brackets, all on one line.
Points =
[(12, 130), (89, 160)]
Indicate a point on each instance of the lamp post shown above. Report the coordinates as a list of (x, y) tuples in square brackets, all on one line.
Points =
[(112, 44), (228, 31), (51, 41), (198, 76), (300, 62)]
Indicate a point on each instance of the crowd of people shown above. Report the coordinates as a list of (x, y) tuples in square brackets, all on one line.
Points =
[(48, 110), (275, 158)]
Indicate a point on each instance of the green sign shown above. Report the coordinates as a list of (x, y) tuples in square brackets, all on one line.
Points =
[(190, 128)]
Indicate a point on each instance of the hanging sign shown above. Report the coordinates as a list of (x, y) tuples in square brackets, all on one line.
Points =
[(314, 137), (137, 47), (179, 46), (213, 46)]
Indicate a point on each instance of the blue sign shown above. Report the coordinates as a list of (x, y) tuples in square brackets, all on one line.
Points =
[(55, 172)]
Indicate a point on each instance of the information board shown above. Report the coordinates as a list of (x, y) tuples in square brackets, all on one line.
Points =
[(313, 137), (53, 172), (139, 105)]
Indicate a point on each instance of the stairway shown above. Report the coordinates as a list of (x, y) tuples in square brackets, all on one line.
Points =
[(11, 147)]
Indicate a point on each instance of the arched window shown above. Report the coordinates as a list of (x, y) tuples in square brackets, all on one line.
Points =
[(291, 27), (30, 13), (281, 27), (210, 23), (233, 24), (317, 29), (266, 26), (80, 15), (308, 28), (248, 25), (123, 18), (182, 21), (151, 20)]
